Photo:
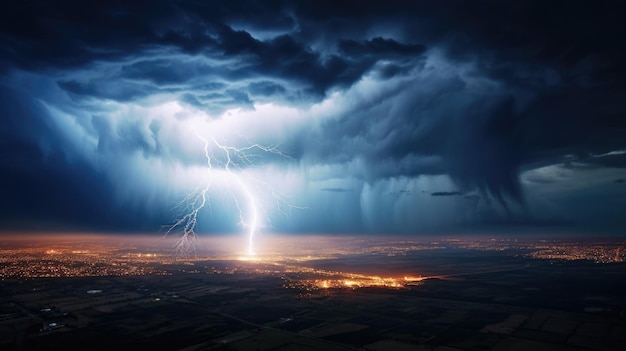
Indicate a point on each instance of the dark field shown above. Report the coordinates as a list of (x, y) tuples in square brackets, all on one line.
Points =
[(469, 300)]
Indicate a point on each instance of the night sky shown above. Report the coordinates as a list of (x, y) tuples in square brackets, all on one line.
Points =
[(413, 117)]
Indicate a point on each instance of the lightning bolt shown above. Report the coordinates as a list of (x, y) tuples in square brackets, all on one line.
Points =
[(234, 160), (251, 200), (190, 206)]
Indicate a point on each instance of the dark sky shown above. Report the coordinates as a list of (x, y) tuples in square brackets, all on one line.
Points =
[(359, 117)]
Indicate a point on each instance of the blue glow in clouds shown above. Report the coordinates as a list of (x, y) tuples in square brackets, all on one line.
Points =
[(392, 123), (233, 161)]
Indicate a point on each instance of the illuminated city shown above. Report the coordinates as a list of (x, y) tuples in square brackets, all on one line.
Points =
[(307, 290), (94, 256)]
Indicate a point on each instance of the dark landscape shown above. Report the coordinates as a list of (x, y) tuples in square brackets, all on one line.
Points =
[(452, 294)]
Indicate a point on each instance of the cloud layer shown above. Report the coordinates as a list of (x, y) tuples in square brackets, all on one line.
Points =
[(392, 117)]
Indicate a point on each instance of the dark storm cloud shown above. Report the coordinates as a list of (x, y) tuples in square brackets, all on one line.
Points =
[(43, 183), (399, 193), (562, 87), (217, 103), (379, 47), (480, 91), (470, 135), (337, 190), (43, 36), (72, 35), (266, 88), (446, 193), (123, 92), (165, 72), (483, 152), (608, 160)]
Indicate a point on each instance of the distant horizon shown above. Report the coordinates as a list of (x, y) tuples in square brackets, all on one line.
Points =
[(374, 260), (420, 236)]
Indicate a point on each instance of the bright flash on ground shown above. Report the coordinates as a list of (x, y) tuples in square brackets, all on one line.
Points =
[(362, 281)]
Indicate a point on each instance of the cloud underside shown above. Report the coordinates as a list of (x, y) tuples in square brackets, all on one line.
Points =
[(477, 93)]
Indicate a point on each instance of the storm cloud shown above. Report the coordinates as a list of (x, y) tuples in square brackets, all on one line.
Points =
[(507, 101)]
